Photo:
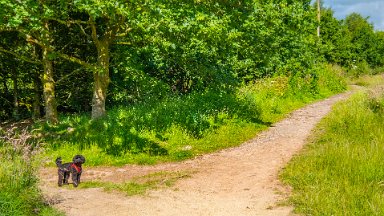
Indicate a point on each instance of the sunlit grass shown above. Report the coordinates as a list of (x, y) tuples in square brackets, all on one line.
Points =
[(182, 127), (19, 194), (340, 171), (368, 81), (140, 185)]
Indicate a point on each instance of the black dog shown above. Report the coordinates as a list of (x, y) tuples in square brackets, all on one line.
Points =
[(74, 168)]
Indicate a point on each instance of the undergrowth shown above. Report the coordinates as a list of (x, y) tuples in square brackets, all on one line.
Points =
[(182, 127), (340, 171), (368, 81)]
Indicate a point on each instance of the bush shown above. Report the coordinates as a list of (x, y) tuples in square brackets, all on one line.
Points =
[(357, 69)]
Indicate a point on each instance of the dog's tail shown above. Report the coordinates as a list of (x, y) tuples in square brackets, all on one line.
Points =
[(58, 162)]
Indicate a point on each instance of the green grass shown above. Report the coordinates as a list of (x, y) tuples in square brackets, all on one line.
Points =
[(19, 194), (173, 129), (182, 127), (368, 81), (139, 185), (340, 172), (179, 145)]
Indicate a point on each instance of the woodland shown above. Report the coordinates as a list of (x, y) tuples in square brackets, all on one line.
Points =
[(144, 82), (62, 57)]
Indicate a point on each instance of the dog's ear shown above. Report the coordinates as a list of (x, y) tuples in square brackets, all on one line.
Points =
[(58, 161), (82, 158)]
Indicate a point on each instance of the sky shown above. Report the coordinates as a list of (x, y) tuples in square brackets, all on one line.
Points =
[(374, 9)]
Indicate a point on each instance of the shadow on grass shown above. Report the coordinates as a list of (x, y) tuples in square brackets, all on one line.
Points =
[(119, 133)]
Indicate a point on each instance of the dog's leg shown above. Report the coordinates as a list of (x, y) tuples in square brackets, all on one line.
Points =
[(78, 177), (61, 178), (75, 178), (66, 177)]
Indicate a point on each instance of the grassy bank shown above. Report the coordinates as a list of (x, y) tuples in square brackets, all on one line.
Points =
[(340, 171), (19, 194), (182, 127)]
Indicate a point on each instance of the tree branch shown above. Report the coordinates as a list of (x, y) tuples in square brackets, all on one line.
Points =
[(62, 55), (68, 22), (83, 31), (68, 75), (123, 43), (75, 60), (24, 58), (124, 33), (94, 32)]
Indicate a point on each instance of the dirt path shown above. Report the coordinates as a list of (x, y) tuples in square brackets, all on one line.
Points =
[(237, 181)]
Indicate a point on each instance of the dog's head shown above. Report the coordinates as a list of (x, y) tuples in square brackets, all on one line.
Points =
[(78, 159)]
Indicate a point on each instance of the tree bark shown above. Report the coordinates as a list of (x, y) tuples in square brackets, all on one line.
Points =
[(15, 112), (47, 78), (36, 97), (49, 89), (36, 90), (101, 79), (101, 75)]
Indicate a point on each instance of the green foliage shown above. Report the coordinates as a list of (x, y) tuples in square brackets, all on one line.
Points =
[(177, 128), (15, 82), (339, 172), (149, 128), (168, 47), (277, 39), (359, 69), (352, 42)]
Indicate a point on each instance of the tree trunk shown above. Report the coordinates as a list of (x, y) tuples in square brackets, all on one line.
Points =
[(36, 90), (15, 112), (101, 79), (5, 85), (47, 78), (49, 89), (36, 97)]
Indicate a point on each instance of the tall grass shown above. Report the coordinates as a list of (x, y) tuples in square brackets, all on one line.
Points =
[(182, 127), (368, 81), (341, 171), (19, 194)]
